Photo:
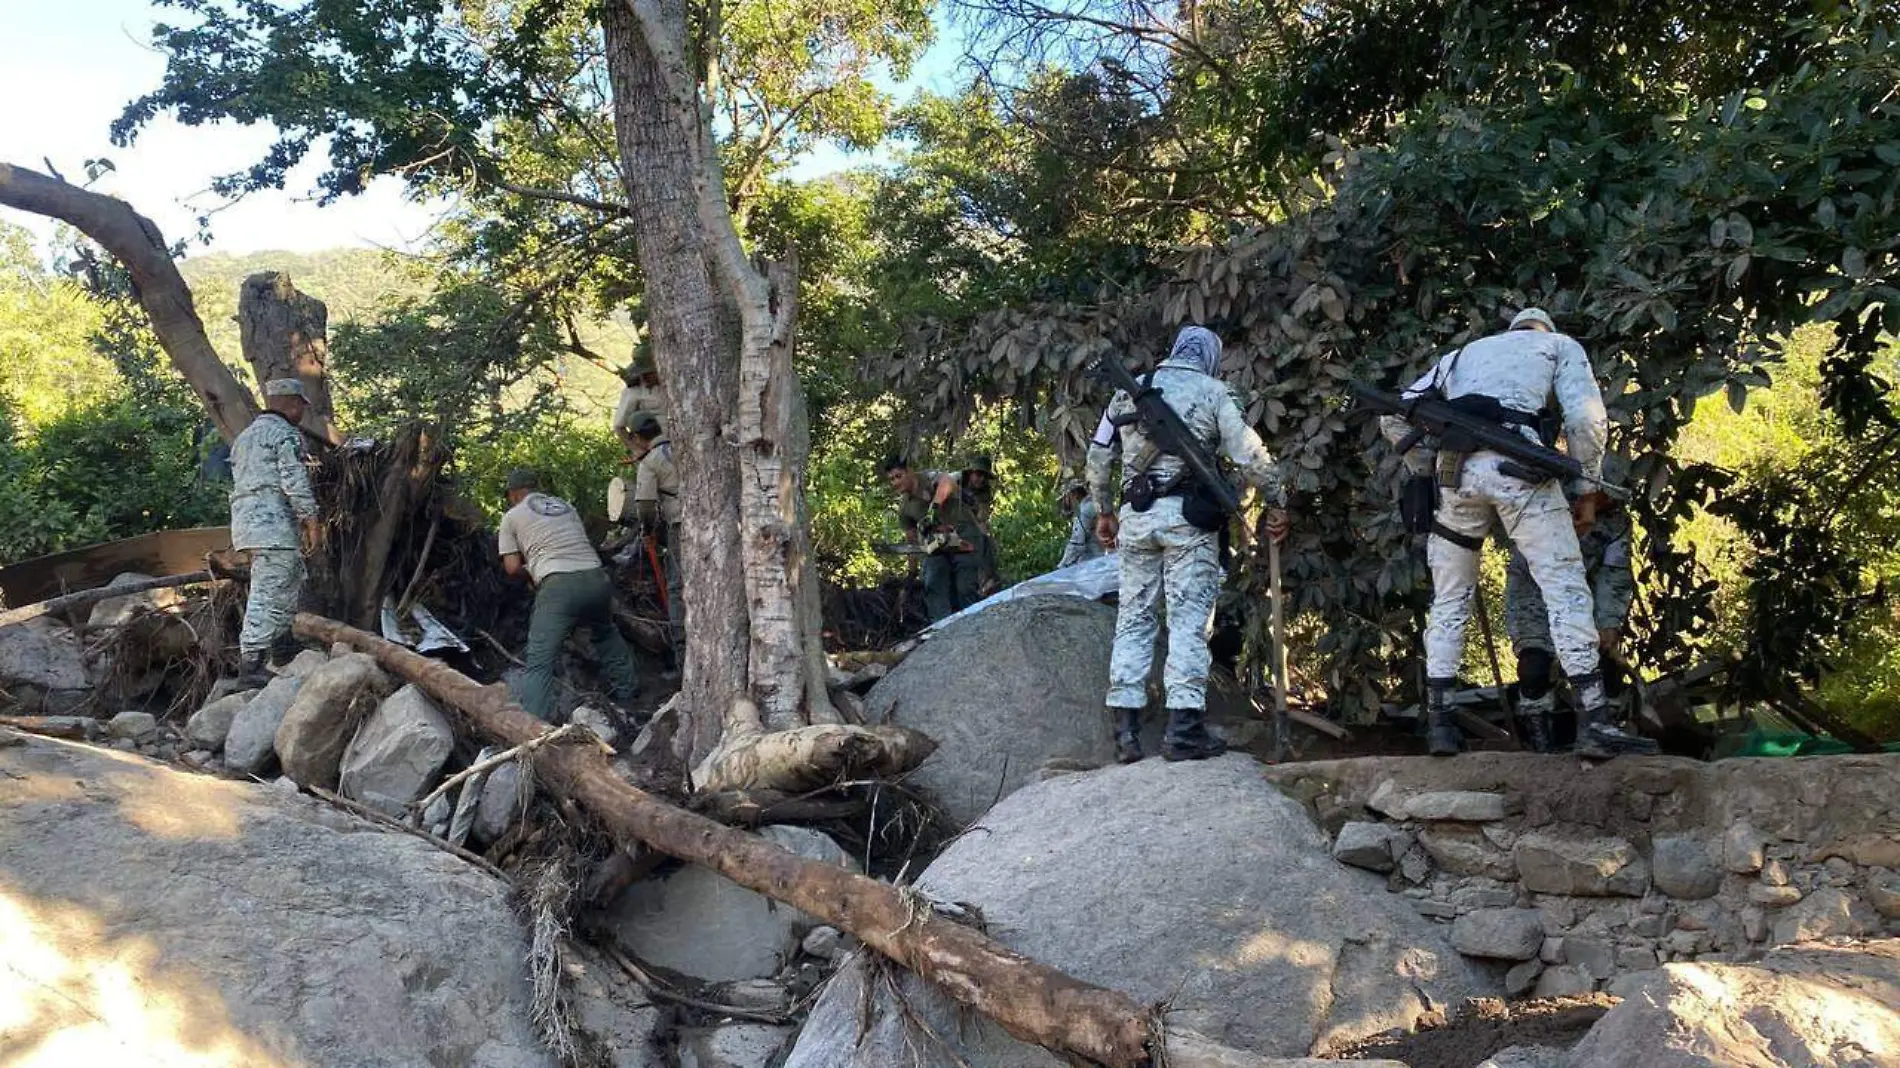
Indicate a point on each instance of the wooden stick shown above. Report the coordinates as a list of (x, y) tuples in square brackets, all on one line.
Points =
[(70, 727), (1307, 719), (428, 543), (503, 757), (1028, 999), (1497, 672), (666, 993), (387, 820), (101, 593), (1282, 733)]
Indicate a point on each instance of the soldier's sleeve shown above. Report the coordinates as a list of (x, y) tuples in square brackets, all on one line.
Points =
[(1101, 458), (646, 482), (1586, 423), (506, 540), (1615, 587), (295, 477), (1249, 454), (1418, 460)]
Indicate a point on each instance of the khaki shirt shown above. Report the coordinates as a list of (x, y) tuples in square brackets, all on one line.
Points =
[(633, 400), (549, 535), (657, 481)]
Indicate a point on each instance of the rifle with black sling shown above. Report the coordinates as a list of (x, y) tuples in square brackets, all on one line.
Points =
[(1163, 425)]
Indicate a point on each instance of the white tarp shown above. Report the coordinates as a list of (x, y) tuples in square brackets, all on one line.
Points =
[(1090, 580)]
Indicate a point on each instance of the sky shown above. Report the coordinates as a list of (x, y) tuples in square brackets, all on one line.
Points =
[(67, 69)]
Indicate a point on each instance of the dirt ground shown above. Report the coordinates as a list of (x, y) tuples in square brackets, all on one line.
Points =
[(1485, 1026)]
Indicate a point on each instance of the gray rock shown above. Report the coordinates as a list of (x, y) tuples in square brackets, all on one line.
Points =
[(166, 917), (1592, 954), (506, 794), (1038, 696), (1774, 897), (1826, 913), (1553, 950), (1462, 849), (1500, 934), (117, 611), (1681, 866), (304, 664), (1582, 867), (125, 745), (1775, 873), (437, 815), (1527, 1057), (745, 1045), (1466, 806), (755, 994), (1806, 1005), (397, 752), (700, 924), (825, 943), (597, 721), (1372, 846), (1522, 977), (1197, 882), (250, 747), (133, 725), (1629, 984), (1743, 848), (42, 653), (209, 726), (1564, 981), (1883, 892), (320, 722)]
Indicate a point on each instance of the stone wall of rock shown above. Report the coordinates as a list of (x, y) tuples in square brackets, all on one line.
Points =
[(1566, 877)]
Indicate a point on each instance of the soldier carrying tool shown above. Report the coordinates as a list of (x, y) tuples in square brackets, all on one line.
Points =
[(1484, 406), (1170, 428), (940, 526)]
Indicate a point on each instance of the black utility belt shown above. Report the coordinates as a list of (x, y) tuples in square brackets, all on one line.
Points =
[(1141, 492)]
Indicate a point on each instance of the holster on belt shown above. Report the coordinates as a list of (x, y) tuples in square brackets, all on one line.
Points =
[(1451, 468)]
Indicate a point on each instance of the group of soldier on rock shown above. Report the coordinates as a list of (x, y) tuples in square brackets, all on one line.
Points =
[(1568, 592)]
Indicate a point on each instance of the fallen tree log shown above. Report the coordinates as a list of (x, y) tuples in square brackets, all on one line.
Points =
[(68, 727), (101, 593), (1030, 1000)]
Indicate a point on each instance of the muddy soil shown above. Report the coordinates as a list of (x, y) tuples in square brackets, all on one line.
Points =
[(1484, 1026)]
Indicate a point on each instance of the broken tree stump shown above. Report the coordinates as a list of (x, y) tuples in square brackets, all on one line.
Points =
[(1028, 999)]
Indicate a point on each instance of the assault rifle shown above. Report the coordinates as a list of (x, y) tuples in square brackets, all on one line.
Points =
[(1164, 427), (1461, 431)]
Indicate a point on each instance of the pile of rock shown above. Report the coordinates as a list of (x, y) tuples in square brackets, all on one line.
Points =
[(1566, 878)]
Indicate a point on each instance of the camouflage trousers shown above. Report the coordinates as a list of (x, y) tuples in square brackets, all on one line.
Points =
[(276, 581), (1536, 518), (1163, 555)]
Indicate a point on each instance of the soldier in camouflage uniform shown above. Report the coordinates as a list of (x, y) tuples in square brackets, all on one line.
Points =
[(1607, 567), (1082, 545), (1162, 553), (979, 492), (271, 506), (1520, 369), (932, 502)]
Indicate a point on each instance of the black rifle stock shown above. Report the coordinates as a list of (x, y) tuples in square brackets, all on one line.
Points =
[(1432, 415), (1163, 424)]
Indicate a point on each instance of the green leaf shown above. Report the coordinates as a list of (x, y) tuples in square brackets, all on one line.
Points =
[(1824, 212), (1718, 233), (1737, 267), (1854, 263), (1737, 397)]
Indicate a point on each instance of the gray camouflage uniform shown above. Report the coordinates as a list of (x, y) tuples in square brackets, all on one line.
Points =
[(1082, 545), (1162, 554), (1521, 369), (270, 493)]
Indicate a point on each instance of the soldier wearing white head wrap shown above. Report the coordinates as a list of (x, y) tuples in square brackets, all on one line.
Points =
[(1162, 553), (273, 514)]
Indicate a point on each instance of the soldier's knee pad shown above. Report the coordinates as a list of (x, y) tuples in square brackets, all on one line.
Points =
[(1534, 672)]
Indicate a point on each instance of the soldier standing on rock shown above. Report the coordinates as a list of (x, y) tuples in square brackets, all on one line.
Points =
[(1162, 551), (274, 518), (1519, 370), (543, 535), (1605, 544)]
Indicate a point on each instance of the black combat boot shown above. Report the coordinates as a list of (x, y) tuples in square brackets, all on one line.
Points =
[(1597, 737), (1534, 719), (1442, 736), (284, 650), (1188, 737), (252, 672), (1127, 734)]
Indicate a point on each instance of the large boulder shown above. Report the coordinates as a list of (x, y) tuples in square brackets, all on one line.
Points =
[(250, 746), (211, 725), (1799, 1006), (703, 925), (1195, 883), (397, 752), (320, 722), (42, 660), (153, 916), (1001, 692)]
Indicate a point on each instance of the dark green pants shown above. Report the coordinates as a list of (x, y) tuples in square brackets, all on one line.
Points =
[(563, 602), (950, 583)]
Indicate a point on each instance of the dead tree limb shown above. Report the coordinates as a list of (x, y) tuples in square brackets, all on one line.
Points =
[(134, 241), (72, 728), (100, 593), (1032, 1001)]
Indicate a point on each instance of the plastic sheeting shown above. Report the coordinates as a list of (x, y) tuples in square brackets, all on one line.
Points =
[(1090, 580)]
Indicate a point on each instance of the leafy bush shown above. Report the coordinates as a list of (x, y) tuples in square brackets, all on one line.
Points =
[(575, 459)]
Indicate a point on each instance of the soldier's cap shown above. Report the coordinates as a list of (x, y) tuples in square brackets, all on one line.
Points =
[(523, 478), (639, 365), (1532, 315), (645, 424), (286, 387)]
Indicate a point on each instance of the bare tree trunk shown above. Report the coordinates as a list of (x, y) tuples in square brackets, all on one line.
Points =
[(695, 347), (135, 242), (285, 334)]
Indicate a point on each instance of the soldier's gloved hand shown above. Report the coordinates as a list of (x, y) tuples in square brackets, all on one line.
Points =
[(1107, 527), (1277, 522)]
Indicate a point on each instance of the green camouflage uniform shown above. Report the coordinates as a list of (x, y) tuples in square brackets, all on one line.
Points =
[(950, 579), (1607, 566)]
